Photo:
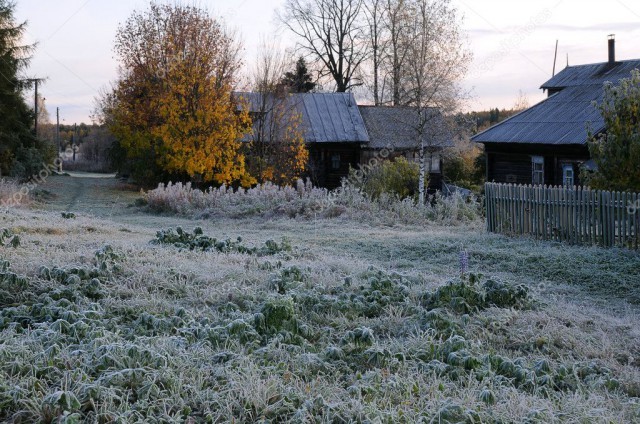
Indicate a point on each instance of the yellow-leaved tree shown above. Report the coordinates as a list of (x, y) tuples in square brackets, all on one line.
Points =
[(172, 108)]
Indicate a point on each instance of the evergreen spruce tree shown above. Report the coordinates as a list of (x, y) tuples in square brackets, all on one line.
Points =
[(21, 154), (299, 81)]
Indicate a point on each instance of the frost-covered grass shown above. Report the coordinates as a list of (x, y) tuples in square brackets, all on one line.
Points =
[(12, 194), (307, 202), (352, 322)]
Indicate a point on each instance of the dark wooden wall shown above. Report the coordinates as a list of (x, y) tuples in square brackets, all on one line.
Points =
[(511, 162), (321, 168)]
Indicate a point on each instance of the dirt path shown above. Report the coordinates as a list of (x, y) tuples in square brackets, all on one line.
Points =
[(100, 195)]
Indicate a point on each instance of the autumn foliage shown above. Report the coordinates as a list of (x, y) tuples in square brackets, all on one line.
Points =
[(617, 150), (277, 150), (172, 108)]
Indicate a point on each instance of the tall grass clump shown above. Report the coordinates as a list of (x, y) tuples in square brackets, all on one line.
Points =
[(11, 194), (306, 202)]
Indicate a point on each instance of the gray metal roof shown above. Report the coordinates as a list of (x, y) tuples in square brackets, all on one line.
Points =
[(326, 117), (596, 73), (563, 118), (398, 127)]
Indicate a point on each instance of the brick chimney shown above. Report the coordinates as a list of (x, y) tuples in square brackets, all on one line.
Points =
[(612, 49)]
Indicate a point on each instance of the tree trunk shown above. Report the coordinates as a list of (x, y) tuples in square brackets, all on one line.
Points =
[(421, 179)]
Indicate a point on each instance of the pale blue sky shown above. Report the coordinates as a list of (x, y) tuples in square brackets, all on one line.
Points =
[(513, 42)]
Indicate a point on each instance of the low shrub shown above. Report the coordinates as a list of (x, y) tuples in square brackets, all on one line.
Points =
[(397, 178), (307, 202)]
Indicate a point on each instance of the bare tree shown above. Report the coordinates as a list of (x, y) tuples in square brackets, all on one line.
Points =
[(46, 130), (398, 15), (330, 31), (439, 60), (376, 30), (277, 151), (521, 103)]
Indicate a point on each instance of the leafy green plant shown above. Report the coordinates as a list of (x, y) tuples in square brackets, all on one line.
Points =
[(467, 295), (8, 238), (198, 241)]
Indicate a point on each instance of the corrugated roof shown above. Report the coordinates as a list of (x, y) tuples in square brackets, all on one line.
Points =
[(326, 117), (397, 127), (563, 118), (596, 73)]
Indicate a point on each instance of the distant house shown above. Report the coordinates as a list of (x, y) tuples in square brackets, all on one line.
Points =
[(341, 135), (547, 143), (398, 129)]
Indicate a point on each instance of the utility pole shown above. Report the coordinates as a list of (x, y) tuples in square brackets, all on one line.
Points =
[(74, 144), (58, 128), (35, 102), (58, 135), (36, 108)]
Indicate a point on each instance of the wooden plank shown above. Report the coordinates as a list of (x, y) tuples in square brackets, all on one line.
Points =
[(585, 211), (592, 217), (616, 221), (636, 220), (521, 208), (609, 218), (549, 214), (513, 194), (594, 208), (612, 219), (534, 212), (606, 207), (579, 215), (487, 203), (576, 221), (556, 212), (626, 219), (622, 224)]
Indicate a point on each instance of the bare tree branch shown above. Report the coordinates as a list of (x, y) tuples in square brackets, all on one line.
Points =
[(330, 31)]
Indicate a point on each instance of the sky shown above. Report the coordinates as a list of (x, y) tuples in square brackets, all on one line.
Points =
[(512, 41)]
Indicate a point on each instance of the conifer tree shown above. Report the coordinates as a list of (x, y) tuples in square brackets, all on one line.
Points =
[(299, 81), (21, 154)]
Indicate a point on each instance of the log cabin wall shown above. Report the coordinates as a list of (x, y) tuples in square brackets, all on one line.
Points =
[(512, 163)]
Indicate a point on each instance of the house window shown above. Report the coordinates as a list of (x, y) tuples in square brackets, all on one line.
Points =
[(537, 170), (435, 164), (568, 179), (335, 162)]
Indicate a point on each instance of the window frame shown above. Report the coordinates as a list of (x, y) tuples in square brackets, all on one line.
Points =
[(537, 175), (568, 167), (336, 161)]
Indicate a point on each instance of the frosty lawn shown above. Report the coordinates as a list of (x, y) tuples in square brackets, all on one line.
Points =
[(349, 322)]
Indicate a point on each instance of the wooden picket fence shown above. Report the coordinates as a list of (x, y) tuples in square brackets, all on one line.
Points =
[(575, 215)]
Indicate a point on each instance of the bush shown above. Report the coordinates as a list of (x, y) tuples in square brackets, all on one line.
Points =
[(30, 161), (465, 166), (398, 177)]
